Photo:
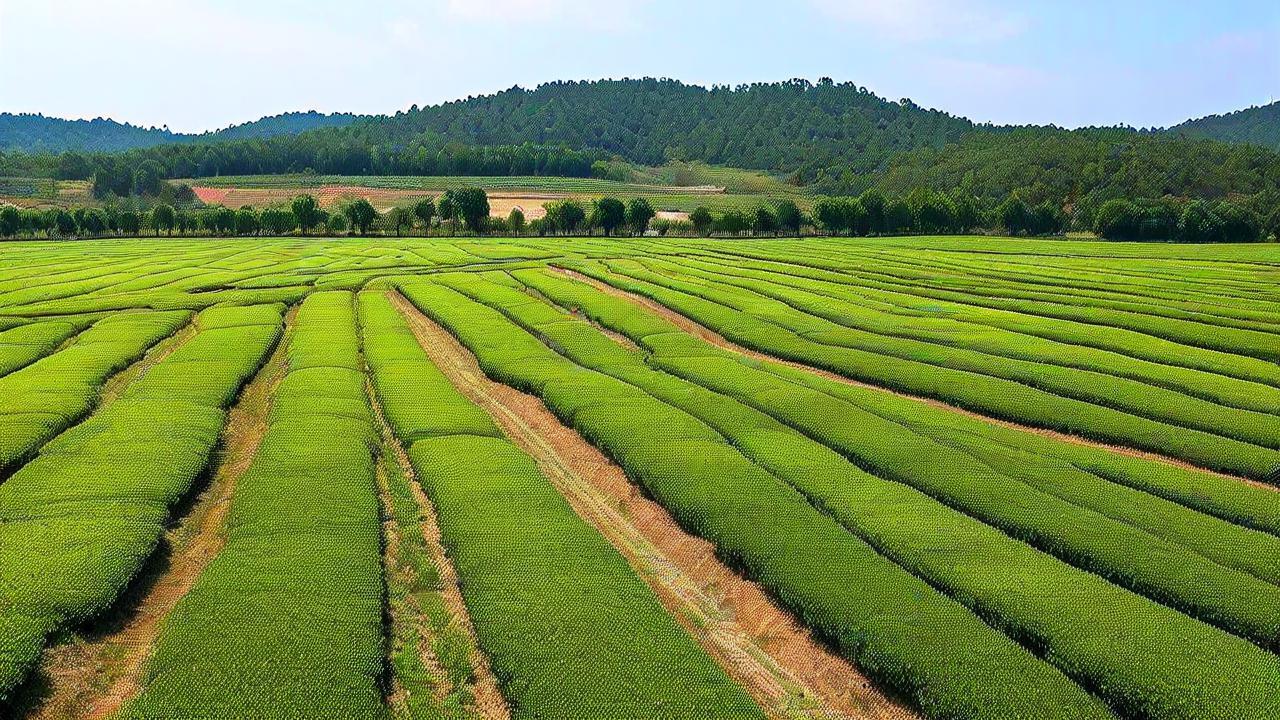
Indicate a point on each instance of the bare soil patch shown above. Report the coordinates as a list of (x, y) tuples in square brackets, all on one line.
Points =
[(693, 328), (760, 645)]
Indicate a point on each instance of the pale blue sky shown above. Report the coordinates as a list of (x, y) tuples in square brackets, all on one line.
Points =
[(202, 64)]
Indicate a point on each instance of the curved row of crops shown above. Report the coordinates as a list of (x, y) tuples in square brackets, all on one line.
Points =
[(78, 522), (986, 384), (286, 621), (940, 656), (569, 629), (1044, 604), (49, 395)]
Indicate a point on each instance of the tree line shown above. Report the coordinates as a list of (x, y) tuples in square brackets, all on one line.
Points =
[(467, 210), (1196, 221), (142, 172)]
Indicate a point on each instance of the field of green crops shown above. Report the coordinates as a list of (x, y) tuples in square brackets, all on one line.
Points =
[(994, 478)]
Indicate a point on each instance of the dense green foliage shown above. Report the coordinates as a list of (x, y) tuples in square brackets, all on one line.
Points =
[(49, 395), (974, 568), (1079, 170), (839, 584), (1025, 392), (22, 345), (840, 137), (1257, 125), (886, 512), (36, 133)]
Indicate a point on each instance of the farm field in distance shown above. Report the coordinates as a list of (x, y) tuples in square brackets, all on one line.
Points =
[(674, 190), (887, 477)]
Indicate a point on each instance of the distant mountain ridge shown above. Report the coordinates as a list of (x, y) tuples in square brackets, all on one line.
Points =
[(1258, 125), (28, 132)]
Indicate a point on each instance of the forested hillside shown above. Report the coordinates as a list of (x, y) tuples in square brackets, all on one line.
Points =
[(1081, 167), (39, 134), (1257, 125), (794, 127), (780, 127)]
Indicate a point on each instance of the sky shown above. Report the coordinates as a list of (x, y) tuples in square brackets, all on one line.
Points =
[(197, 65)]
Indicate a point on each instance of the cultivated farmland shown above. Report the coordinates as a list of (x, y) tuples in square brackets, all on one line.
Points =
[(913, 477)]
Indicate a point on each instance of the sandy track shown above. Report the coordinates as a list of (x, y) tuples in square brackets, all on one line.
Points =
[(760, 645), (94, 677), (489, 702), (693, 328)]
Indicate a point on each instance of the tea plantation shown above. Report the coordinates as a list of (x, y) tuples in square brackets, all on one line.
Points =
[(983, 478)]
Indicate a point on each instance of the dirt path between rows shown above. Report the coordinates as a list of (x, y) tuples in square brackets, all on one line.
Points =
[(96, 675), (758, 644), (697, 330), (115, 385), (489, 702)]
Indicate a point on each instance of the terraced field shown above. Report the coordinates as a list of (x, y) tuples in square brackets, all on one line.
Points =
[(587, 478)]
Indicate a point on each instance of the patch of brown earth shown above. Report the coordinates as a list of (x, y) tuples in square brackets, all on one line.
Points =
[(489, 702), (96, 675), (760, 645), (697, 330)]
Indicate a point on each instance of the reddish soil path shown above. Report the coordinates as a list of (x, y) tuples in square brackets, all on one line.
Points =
[(693, 328), (760, 645)]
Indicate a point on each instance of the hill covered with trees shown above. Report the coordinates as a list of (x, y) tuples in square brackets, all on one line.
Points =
[(1080, 170), (34, 133), (1256, 125), (793, 128)]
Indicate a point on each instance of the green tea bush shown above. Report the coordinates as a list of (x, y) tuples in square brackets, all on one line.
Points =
[(966, 388), (856, 309), (287, 620), (897, 628), (78, 522), (1016, 588), (568, 628), (22, 345), (44, 398)]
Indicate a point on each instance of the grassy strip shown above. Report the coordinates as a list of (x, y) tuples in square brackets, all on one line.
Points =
[(992, 396), (429, 649), (78, 522), (1044, 603), (421, 626), (899, 630), (48, 396), (287, 620), (570, 630)]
